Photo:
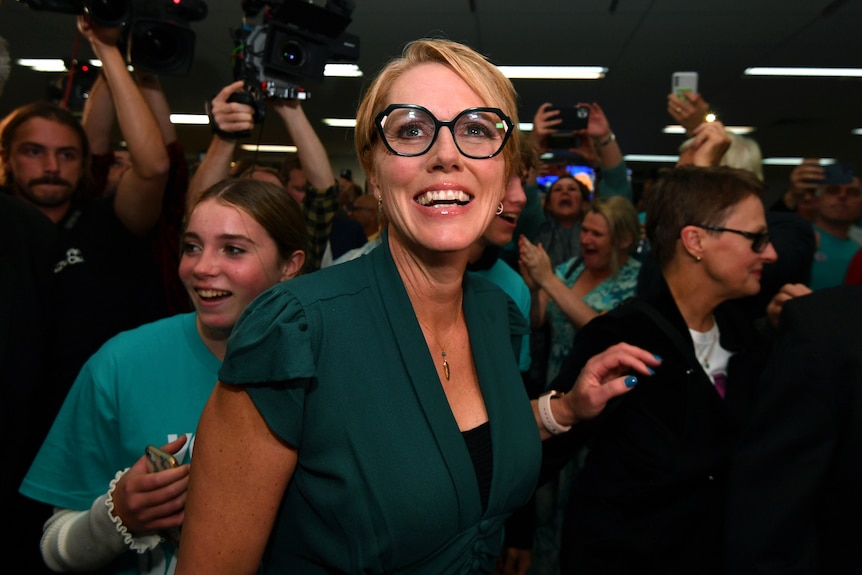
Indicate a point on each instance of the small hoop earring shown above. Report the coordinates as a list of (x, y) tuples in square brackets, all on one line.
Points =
[(379, 204), (500, 209)]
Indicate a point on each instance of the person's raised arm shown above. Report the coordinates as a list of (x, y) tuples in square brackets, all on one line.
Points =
[(98, 117), (690, 111), (228, 117), (545, 122), (805, 178), (151, 89), (235, 453), (138, 200), (544, 284), (312, 155), (534, 264), (599, 129), (708, 145), (614, 176)]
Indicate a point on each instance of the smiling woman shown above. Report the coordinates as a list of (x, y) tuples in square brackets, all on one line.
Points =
[(328, 447)]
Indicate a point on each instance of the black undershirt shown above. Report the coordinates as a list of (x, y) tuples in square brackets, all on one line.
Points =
[(478, 442)]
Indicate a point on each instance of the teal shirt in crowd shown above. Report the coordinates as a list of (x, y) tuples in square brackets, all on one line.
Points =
[(831, 260)]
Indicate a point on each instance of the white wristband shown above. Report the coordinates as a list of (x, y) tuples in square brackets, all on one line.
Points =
[(547, 416)]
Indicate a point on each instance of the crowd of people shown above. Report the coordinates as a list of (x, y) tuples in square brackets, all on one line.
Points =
[(455, 369)]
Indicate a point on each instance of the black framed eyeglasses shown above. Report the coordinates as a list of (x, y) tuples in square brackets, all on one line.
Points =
[(759, 240), (410, 130)]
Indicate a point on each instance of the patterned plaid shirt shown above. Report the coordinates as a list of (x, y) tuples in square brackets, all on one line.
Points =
[(320, 207)]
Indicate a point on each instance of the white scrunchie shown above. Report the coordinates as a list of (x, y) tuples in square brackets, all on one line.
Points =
[(140, 544)]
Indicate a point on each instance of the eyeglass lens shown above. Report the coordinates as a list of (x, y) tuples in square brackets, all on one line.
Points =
[(412, 131), (760, 241)]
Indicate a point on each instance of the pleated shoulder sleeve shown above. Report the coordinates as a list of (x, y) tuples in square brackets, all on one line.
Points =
[(270, 354)]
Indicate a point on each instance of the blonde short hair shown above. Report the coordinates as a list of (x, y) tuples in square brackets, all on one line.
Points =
[(475, 70)]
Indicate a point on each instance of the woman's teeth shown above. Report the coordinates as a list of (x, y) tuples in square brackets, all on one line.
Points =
[(443, 197)]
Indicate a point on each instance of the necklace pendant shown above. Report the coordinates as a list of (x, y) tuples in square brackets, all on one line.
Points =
[(446, 369)]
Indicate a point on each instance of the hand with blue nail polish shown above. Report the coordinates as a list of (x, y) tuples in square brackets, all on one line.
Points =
[(605, 376)]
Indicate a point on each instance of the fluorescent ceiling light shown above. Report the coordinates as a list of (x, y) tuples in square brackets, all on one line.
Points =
[(340, 122), (55, 64), (816, 72), (43, 64), (342, 71), (856, 132), (269, 148), (194, 119), (650, 158), (554, 72), (677, 129), (793, 161)]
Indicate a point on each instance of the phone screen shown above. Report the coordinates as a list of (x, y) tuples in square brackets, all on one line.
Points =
[(682, 83)]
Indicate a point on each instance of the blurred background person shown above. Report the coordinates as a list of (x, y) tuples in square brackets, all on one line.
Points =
[(794, 482), (566, 298)]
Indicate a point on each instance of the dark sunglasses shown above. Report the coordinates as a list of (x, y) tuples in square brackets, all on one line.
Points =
[(759, 240)]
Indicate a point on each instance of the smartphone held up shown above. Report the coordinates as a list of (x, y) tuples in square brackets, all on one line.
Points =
[(573, 118), (683, 83)]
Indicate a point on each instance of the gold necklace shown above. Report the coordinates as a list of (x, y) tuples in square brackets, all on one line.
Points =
[(437, 341)]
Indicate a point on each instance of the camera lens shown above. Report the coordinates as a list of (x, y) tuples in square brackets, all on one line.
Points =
[(160, 46), (293, 53)]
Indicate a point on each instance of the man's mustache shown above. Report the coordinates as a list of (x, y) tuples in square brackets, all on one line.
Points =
[(51, 181)]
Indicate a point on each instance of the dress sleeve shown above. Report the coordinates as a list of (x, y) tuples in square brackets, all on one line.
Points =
[(270, 353)]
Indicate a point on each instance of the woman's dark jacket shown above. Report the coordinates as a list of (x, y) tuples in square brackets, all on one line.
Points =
[(650, 496)]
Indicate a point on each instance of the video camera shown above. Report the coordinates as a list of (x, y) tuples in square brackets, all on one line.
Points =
[(293, 43), (103, 12), (157, 36)]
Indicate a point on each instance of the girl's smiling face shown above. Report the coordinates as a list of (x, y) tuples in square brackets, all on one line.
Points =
[(227, 260)]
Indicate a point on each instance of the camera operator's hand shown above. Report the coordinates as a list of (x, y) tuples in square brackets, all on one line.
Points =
[(98, 36), (689, 111), (545, 123), (231, 117), (710, 143)]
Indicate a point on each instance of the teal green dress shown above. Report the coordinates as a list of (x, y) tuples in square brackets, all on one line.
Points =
[(337, 365)]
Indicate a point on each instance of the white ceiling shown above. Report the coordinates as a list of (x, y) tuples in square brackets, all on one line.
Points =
[(642, 42)]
